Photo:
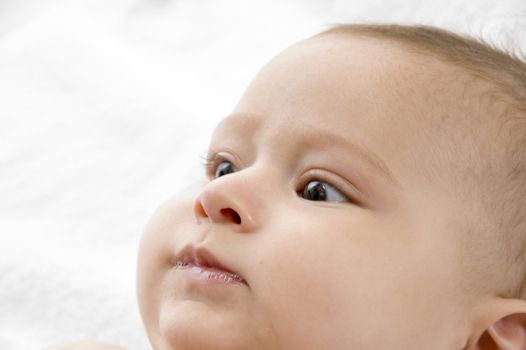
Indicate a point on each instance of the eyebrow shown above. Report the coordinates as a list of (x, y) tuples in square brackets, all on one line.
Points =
[(318, 137), (314, 137)]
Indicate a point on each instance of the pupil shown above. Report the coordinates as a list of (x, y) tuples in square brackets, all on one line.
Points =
[(224, 168), (315, 190)]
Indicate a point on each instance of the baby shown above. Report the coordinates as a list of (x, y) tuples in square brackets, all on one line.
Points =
[(367, 192)]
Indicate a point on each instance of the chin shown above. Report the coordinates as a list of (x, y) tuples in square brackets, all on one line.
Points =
[(192, 325)]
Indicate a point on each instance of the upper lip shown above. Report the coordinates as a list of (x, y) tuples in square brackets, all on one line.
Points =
[(201, 256)]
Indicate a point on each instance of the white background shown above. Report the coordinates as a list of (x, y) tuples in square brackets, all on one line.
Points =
[(105, 108)]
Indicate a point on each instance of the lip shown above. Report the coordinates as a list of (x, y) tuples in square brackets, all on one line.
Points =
[(201, 264)]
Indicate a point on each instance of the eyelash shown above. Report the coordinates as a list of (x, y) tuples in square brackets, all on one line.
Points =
[(305, 180), (210, 162)]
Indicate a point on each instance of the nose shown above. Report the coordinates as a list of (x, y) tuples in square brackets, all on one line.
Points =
[(229, 200)]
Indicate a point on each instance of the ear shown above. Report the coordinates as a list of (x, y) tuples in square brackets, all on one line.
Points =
[(500, 325)]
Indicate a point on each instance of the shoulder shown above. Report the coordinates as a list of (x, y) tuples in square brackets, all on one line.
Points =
[(88, 345)]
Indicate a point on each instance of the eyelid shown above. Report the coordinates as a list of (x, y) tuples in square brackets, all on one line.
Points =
[(333, 180), (213, 159)]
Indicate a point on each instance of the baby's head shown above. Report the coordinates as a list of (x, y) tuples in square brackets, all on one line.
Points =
[(367, 192)]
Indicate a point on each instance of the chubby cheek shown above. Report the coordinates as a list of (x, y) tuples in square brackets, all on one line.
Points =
[(312, 293), (153, 262), (150, 267), (337, 289)]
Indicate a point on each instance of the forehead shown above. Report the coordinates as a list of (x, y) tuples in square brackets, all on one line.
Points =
[(342, 84), (348, 73), (371, 94)]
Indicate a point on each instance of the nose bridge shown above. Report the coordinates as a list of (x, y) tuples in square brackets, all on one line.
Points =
[(232, 200)]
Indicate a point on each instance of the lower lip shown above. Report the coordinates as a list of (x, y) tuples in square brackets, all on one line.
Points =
[(210, 275)]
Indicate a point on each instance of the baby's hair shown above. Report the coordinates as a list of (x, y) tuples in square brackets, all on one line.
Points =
[(502, 235)]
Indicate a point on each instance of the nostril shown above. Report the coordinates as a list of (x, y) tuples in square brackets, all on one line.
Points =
[(231, 214), (199, 210)]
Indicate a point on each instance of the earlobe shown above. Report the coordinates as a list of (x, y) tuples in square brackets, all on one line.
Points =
[(503, 326)]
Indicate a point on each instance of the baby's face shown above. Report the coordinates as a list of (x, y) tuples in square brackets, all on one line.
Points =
[(319, 201)]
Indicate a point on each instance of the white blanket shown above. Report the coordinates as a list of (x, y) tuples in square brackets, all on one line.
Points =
[(105, 108)]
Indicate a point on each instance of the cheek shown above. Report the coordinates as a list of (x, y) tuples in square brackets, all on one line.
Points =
[(153, 262), (150, 267), (314, 289), (339, 286)]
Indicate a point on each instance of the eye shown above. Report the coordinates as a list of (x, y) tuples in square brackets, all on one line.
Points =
[(224, 168), (217, 165), (316, 190)]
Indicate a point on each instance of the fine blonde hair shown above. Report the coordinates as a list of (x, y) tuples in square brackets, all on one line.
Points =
[(500, 245)]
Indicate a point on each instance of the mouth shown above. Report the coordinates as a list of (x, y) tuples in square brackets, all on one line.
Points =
[(201, 265)]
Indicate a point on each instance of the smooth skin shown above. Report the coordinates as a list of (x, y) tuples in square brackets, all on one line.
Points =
[(380, 271), (379, 264), (384, 270)]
